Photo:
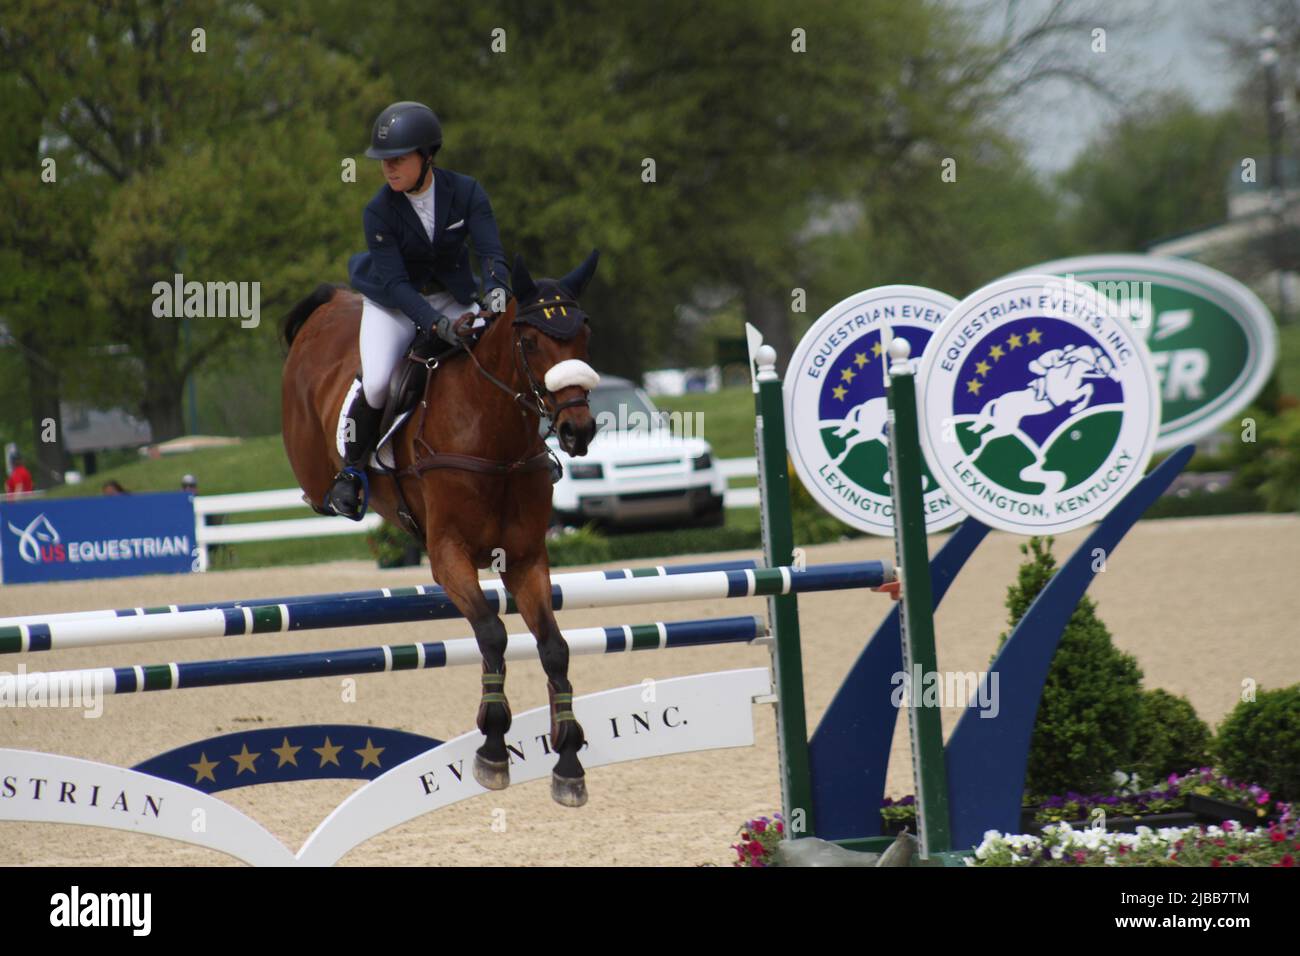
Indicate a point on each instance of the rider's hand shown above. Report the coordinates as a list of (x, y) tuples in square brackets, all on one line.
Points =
[(446, 330)]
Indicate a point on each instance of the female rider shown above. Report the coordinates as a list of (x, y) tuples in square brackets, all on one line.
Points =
[(416, 275)]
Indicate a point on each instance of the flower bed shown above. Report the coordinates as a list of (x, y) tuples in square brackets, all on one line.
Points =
[(1214, 846)]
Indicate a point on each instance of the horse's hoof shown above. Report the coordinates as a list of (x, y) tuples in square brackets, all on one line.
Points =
[(492, 774), (568, 791)]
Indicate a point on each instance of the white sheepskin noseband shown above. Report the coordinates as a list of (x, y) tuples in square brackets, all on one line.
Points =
[(570, 372)]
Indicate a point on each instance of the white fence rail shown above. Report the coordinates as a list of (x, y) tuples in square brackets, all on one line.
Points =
[(319, 526)]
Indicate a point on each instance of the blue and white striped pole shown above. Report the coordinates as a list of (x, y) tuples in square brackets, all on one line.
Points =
[(138, 678), (55, 634)]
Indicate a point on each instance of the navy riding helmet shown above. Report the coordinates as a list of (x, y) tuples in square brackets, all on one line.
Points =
[(405, 127)]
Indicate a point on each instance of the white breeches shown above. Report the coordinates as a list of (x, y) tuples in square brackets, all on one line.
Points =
[(386, 334)]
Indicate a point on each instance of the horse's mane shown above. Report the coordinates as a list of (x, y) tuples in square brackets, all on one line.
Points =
[(300, 313)]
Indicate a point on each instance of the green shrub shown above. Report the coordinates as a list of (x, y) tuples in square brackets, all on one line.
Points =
[(666, 544), (585, 545), (1270, 465), (812, 525), (1260, 742), (1169, 737), (392, 546), (1230, 501), (1084, 730)]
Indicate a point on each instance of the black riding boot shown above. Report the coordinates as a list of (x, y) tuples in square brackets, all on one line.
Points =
[(350, 493)]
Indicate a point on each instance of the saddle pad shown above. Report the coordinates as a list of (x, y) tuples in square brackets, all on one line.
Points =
[(383, 455)]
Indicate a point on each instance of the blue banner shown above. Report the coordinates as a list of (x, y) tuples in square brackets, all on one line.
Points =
[(62, 539)]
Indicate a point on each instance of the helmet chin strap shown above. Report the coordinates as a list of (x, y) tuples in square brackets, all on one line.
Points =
[(424, 171)]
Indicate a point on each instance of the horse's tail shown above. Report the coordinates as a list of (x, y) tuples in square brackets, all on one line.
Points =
[(300, 313)]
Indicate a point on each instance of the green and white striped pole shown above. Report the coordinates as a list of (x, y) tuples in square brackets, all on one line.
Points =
[(916, 610), (783, 610)]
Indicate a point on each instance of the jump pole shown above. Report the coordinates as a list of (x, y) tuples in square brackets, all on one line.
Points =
[(568, 578), (364, 612), (137, 678)]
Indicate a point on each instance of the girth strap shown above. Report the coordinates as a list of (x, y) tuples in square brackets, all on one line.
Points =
[(446, 459)]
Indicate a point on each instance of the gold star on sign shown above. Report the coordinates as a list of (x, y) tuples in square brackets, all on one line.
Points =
[(974, 386), (860, 359), (328, 753), (245, 761), (996, 352), (876, 349), (847, 375), (982, 368), (203, 769), (1035, 336), (370, 754), (839, 391), (1015, 341), (286, 753)]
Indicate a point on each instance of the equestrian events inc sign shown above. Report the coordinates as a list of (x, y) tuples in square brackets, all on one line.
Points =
[(46, 539), (836, 410), (1042, 395), (1038, 405)]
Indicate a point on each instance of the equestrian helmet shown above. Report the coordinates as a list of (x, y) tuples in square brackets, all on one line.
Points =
[(404, 127)]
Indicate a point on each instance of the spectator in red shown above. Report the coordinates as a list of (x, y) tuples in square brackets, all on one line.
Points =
[(20, 479)]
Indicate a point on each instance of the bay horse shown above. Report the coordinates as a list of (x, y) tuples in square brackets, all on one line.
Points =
[(474, 472)]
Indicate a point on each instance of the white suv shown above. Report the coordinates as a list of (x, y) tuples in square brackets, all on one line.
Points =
[(636, 471)]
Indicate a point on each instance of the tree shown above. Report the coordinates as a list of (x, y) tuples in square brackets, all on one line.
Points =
[(44, 238), (756, 123), (208, 136), (1161, 170)]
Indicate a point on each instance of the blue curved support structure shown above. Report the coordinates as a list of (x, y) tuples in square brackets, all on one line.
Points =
[(849, 751), (986, 757)]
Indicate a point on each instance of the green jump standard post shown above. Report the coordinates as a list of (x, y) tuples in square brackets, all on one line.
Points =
[(916, 610), (783, 609)]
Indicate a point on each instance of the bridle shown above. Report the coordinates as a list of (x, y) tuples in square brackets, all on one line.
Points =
[(536, 391), (533, 400)]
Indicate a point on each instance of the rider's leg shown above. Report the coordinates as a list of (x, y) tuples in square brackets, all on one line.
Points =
[(386, 335)]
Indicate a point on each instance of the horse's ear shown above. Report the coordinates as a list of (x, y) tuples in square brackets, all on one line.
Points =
[(524, 286), (577, 280)]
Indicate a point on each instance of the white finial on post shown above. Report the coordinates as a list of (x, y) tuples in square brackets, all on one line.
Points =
[(765, 357), (899, 352)]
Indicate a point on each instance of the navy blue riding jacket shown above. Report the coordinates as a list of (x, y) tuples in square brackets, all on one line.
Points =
[(402, 265)]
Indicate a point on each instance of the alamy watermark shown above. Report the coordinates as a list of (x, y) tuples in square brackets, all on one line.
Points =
[(919, 688), (629, 421), (1115, 298), (208, 300), (77, 690)]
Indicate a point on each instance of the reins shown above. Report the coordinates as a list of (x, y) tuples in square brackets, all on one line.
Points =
[(536, 391)]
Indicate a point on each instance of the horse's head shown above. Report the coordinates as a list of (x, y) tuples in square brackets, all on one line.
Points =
[(552, 332)]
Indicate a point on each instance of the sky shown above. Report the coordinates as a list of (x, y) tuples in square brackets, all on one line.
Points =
[(1168, 47)]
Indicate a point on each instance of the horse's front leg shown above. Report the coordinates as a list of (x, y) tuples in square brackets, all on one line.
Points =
[(453, 569), (528, 579)]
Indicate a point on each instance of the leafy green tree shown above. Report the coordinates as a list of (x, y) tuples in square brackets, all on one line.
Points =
[(762, 122), (208, 136), (1161, 170)]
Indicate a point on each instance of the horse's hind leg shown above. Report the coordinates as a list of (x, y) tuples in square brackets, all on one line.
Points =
[(530, 583), (453, 569)]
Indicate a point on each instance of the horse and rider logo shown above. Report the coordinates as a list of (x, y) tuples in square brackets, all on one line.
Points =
[(1038, 405), (837, 416), (39, 541)]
